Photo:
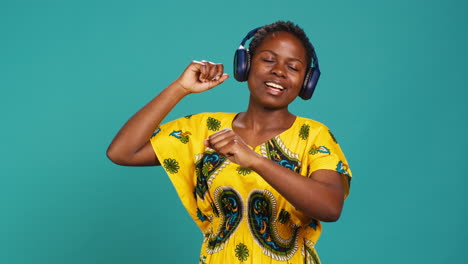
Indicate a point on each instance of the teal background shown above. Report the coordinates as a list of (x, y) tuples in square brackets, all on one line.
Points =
[(393, 90)]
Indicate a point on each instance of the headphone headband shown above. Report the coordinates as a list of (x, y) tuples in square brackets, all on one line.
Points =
[(249, 35)]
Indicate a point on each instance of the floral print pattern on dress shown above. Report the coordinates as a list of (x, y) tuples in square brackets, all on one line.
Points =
[(182, 136), (171, 165), (322, 149), (304, 132), (242, 252), (213, 124), (243, 171)]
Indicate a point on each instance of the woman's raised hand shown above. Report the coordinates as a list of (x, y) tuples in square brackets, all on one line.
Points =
[(201, 76)]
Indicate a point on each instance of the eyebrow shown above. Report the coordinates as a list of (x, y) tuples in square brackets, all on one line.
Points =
[(294, 59)]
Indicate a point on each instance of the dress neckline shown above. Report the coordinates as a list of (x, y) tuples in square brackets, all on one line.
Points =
[(235, 115)]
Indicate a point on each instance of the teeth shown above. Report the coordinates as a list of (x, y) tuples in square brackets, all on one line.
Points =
[(275, 85)]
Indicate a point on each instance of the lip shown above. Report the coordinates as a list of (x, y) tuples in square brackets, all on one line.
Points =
[(275, 90)]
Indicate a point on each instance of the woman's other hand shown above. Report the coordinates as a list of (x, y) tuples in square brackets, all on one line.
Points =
[(200, 76), (227, 143)]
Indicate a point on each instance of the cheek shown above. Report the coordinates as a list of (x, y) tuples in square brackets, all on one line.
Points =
[(297, 81), (253, 67), (255, 72)]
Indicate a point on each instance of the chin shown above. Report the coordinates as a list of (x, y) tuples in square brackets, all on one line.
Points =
[(271, 103)]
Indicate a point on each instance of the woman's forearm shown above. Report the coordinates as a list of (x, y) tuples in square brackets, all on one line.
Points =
[(128, 146), (319, 196), (131, 145)]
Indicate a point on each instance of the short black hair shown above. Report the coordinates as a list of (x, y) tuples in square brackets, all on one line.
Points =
[(286, 26)]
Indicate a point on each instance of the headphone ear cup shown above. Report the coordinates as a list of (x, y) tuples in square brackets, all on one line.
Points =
[(241, 64), (310, 82)]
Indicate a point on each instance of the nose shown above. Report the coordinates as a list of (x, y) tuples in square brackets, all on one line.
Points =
[(278, 70)]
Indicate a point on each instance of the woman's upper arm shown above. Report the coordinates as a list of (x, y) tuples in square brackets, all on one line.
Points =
[(143, 157), (332, 179)]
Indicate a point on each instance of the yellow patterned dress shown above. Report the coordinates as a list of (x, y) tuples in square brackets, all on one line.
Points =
[(243, 218)]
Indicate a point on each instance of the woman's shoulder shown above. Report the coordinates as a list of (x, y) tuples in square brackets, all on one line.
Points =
[(213, 120), (310, 123), (220, 116), (315, 129)]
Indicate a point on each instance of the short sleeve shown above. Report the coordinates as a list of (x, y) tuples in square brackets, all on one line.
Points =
[(175, 144), (172, 143), (326, 153), (179, 146)]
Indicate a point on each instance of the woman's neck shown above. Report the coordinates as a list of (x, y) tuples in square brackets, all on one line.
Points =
[(266, 119), (258, 125)]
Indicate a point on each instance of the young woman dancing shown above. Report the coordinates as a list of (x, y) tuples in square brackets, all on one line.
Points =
[(257, 183)]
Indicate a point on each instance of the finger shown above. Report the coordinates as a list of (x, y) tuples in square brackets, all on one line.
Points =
[(198, 62), (203, 72), (233, 151), (208, 73), (224, 77), (216, 140), (197, 67), (219, 70), (217, 81), (221, 132), (220, 135), (221, 142), (228, 151), (207, 142), (213, 71)]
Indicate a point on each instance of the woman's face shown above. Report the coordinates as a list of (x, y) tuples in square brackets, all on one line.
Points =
[(277, 70)]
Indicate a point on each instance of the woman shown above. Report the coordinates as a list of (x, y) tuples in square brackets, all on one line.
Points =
[(259, 182)]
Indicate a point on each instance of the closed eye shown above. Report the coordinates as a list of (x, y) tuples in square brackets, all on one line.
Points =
[(293, 68)]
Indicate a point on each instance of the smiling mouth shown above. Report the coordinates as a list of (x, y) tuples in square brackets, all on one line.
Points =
[(275, 86)]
